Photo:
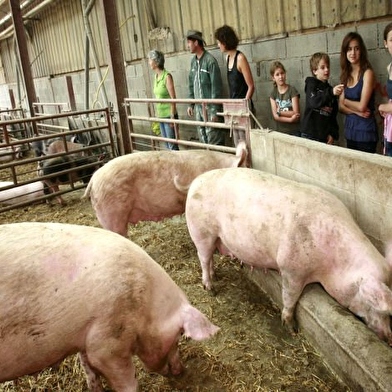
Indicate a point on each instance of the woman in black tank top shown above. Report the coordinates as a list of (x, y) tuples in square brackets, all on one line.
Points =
[(239, 75)]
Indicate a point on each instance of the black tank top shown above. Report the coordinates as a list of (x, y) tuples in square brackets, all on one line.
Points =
[(237, 85)]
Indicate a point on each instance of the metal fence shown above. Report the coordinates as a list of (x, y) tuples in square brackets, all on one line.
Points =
[(22, 175), (236, 116)]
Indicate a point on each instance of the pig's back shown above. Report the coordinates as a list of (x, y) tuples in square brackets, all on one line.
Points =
[(255, 213)]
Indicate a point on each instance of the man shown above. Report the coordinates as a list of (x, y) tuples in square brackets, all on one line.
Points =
[(204, 82)]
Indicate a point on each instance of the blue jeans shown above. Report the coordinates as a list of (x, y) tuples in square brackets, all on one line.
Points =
[(168, 132)]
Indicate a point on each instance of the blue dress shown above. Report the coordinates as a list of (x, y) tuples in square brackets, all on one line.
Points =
[(357, 128)]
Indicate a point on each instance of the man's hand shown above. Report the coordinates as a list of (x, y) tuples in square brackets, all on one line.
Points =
[(190, 111)]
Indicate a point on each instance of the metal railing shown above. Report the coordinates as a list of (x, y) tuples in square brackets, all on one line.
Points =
[(236, 115), (18, 173)]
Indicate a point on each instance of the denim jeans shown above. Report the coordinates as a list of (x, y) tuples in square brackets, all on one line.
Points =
[(168, 132)]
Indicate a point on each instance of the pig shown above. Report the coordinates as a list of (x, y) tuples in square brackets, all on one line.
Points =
[(142, 186), (22, 193), (70, 162), (41, 147), (67, 288), (302, 231), (9, 153), (58, 146)]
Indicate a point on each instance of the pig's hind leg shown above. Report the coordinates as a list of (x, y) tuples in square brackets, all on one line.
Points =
[(93, 379)]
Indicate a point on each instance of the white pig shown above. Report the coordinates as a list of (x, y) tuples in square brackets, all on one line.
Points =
[(22, 193), (68, 288), (141, 186), (304, 232)]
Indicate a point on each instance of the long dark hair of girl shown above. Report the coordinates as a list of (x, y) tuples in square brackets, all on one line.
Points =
[(345, 66)]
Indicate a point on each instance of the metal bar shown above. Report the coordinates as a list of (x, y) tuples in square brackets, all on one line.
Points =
[(50, 104), (71, 93), (49, 117), (177, 100), (108, 120), (184, 142), (186, 122), (52, 126)]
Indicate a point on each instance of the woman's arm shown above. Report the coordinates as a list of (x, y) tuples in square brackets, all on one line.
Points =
[(385, 108), (244, 68), (367, 90), (346, 110), (172, 93)]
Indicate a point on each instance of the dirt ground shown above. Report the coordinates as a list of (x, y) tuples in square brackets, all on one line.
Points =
[(251, 353)]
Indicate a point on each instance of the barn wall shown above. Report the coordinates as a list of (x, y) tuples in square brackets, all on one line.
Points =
[(294, 51), (56, 35)]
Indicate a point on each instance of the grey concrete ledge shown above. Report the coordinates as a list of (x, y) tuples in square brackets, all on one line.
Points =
[(349, 347)]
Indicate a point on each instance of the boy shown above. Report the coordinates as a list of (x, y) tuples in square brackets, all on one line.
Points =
[(319, 121)]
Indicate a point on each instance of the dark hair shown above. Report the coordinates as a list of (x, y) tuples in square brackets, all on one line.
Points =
[(227, 36), (201, 42), (315, 60), (345, 66), (387, 29)]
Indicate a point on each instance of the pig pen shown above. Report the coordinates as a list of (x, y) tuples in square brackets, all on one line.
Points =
[(251, 353)]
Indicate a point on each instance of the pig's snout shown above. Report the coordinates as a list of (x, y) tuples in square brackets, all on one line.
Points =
[(176, 368)]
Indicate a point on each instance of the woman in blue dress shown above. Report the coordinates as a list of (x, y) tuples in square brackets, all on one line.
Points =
[(357, 100)]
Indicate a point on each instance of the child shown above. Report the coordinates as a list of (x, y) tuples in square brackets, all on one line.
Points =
[(357, 99), (284, 100), (385, 109), (319, 122)]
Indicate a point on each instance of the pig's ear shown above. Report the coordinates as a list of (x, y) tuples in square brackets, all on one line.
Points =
[(377, 295), (241, 153), (197, 326)]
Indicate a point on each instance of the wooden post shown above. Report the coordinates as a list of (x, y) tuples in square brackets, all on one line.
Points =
[(23, 54), (116, 63)]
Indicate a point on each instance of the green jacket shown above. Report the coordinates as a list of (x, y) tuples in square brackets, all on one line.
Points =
[(205, 79)]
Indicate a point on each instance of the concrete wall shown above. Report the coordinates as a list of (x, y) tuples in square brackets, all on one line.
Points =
[(362, 181)]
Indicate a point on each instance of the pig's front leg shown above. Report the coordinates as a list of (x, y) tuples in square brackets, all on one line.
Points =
[(118, 370), (291, 291)]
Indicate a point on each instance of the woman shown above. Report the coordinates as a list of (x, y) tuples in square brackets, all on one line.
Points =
[(357, 100), (385, 109), (239, 75), (164, 89)]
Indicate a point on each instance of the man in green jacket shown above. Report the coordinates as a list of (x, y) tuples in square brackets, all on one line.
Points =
[(204, 82)]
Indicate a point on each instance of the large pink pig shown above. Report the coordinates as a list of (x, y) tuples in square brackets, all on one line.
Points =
[(304, 232), (67, 289), (141, 186)]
